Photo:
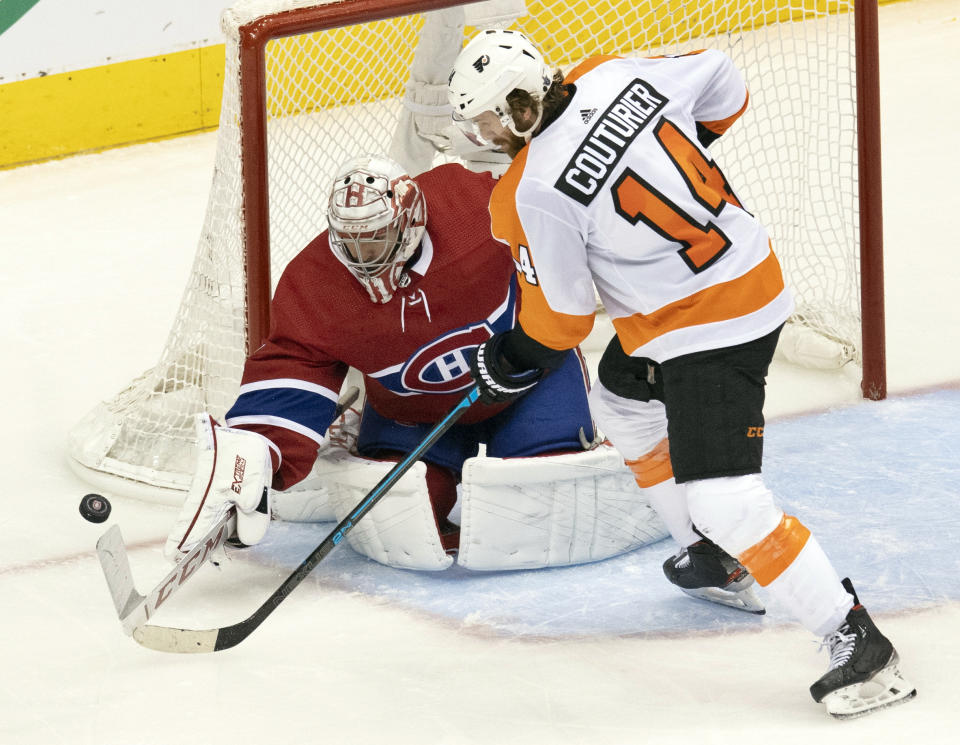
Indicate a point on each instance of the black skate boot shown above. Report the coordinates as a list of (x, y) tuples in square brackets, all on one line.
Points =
[(864, 672), (706, 571)]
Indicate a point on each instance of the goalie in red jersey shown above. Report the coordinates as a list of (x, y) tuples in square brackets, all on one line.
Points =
[(403, 286)]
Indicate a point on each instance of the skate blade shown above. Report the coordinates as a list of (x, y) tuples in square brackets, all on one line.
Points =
[(886, 688), (745, 600)]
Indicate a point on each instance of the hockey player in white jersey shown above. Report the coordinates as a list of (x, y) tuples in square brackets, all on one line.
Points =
[(612, 187)]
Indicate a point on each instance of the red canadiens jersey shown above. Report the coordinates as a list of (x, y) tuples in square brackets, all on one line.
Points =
[(414, 351)]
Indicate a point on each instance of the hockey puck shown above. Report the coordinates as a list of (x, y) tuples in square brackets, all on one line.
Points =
[(94, 508)]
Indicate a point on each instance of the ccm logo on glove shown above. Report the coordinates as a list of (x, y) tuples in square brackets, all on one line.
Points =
[(238, 468)]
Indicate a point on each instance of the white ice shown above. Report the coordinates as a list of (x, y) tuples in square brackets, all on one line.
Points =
[(95, 251)]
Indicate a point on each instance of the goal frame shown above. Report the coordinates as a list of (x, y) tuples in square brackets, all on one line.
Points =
[(254, 36)]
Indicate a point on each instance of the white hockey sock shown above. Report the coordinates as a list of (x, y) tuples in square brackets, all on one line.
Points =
[(669, 499), (810, 589)]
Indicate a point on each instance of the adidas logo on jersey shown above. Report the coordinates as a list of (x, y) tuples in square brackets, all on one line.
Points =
[(587, 115), (630, 112)]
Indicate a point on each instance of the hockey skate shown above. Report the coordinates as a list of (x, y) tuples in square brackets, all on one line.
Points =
[(864, 673), (706, 571)]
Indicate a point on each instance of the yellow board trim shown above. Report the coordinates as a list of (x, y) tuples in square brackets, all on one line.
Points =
[(179, 93), (102, 107)]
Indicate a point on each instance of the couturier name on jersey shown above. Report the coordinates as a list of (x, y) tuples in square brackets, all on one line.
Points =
[(598, 154)]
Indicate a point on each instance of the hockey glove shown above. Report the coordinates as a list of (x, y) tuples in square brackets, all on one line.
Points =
[(497, 379), (233, 467)]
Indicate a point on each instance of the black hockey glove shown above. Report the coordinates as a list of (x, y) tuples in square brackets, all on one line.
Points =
[(496, 377)]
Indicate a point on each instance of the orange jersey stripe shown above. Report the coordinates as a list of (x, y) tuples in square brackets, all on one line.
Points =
[(738, 297), (654, 467), (768, 559), (586, 66), (538, 320), (722, 125)]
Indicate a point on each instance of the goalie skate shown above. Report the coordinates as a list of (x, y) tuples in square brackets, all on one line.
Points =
[(707, 572), (864, 672)]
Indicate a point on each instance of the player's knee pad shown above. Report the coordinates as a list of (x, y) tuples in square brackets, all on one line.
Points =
[(525, 513), (734, 512), (634, 427)]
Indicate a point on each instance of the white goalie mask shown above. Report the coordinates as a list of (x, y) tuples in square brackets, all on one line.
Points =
[(493, 64), (376, 216)]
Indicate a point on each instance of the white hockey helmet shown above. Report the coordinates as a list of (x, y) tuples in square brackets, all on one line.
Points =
[(377, 216), (493, 64)]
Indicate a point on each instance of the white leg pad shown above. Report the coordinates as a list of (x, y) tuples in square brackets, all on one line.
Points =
[(309, 501), (528, 513), (400, 530)]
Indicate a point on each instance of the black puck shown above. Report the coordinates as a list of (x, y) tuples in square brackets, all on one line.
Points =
[(94, 508)]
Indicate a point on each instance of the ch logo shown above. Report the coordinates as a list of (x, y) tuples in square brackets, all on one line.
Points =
[(481, 62)]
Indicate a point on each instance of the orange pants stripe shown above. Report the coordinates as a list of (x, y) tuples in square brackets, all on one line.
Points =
[(654, 467), (768, 559)]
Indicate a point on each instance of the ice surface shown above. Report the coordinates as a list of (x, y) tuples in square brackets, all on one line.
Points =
[(95, 253)]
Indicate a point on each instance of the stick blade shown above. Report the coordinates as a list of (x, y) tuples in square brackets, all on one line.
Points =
[(182, 641), (116, 571)]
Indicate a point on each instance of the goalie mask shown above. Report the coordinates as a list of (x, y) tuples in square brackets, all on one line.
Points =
[(376, 216), (493, 64)]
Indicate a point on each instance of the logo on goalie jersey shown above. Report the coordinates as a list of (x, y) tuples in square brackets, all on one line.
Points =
[(443, 365)]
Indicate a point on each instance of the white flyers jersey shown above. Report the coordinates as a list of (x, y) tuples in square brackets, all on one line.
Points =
[(617, 192)]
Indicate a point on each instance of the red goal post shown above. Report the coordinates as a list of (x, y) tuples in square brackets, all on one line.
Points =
[(308, 84)]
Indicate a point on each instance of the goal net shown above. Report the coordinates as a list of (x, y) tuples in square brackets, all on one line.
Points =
[(309, 84)]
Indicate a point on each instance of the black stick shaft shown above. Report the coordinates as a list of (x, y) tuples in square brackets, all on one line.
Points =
[(230, 636)]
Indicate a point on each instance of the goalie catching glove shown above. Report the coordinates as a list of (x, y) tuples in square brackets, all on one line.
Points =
[(233, 467), (497, 379)]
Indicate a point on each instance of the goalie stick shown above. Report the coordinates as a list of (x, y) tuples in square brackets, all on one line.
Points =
[(170, 639), (135, 610)]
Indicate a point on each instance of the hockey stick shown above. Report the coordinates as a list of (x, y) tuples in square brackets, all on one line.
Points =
[(135, 609), (169, 639)]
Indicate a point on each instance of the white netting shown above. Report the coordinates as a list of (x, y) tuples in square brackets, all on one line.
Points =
[(332, 94)]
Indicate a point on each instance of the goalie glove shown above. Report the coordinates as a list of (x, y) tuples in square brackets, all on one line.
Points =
[(496, 378), (233, 467)]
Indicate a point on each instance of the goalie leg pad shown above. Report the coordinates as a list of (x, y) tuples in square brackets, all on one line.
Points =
[(309, 501), (557, 510), (233, 467), (400, 530)]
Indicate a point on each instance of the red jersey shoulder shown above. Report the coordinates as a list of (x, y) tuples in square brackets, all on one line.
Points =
[(315, 285), (457, 203)]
